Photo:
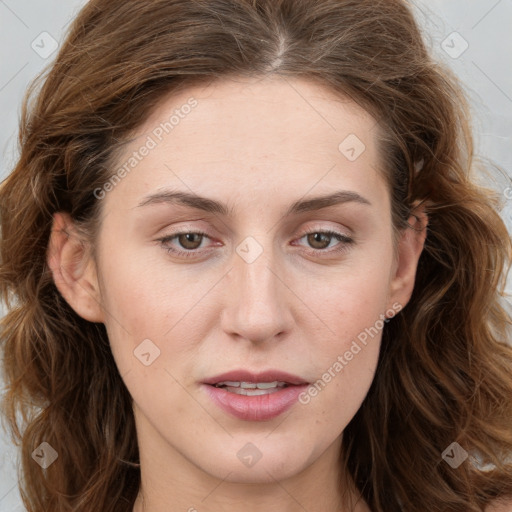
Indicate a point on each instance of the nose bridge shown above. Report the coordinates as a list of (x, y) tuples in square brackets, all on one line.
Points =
[(256, 307)]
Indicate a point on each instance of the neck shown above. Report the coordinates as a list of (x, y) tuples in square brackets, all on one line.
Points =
[(252, 502)]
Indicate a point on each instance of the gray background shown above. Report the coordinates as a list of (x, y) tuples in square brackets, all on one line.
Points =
[(28, 27)]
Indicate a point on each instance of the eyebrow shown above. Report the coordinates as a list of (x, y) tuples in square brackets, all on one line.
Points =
[(212, 206)]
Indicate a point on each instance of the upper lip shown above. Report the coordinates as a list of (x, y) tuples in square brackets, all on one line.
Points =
[(247, 376)]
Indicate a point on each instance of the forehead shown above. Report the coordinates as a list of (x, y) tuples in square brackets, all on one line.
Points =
[(260, 134), (271, 116)]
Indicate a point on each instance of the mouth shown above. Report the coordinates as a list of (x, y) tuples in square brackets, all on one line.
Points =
[(254, 396)]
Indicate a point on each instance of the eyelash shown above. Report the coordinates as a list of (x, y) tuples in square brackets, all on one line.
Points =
[(344, 239)]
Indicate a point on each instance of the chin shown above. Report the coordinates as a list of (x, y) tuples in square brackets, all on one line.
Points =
[(256, 463)]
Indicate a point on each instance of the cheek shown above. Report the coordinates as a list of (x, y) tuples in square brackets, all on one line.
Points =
[(132, 303), (157, 317), (352, 308), (350, 299), (344, 369), (139, 288)]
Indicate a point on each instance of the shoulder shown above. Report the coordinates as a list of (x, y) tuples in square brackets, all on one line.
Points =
[(500, 506)]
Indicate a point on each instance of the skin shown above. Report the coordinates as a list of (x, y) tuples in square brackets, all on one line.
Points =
[(258, 145)]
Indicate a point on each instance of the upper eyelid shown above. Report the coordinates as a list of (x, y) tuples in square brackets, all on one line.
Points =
[(317, 226)]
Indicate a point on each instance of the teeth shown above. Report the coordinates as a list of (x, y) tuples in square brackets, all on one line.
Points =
[(252, 392), (229, 383), (251, 385), (267, 385)]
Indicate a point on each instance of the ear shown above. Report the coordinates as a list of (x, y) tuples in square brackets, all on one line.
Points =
[(410, 246), (74, 269)]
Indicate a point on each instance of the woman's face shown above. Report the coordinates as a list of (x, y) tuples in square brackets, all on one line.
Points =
[(256, 293)]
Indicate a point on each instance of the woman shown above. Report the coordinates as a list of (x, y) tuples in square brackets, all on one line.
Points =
[(246, 268)]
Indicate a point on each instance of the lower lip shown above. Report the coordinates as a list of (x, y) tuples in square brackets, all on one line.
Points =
[(255, 408)]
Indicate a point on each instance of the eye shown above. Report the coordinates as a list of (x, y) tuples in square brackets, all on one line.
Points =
[(189, 240), (319, 240)]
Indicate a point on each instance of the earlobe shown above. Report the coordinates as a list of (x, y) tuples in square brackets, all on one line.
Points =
[(410, 246), (73, 269)]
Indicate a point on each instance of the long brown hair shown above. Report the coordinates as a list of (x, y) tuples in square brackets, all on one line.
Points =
[(444, 373)]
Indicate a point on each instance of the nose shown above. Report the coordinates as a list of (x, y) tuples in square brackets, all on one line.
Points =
[(256, 307)]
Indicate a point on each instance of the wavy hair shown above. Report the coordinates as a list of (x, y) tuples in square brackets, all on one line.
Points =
[(444, 372)]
